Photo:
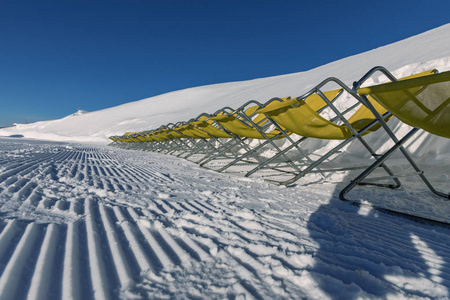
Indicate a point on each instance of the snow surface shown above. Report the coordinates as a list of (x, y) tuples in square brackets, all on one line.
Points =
[(80, 220), (83, 222)]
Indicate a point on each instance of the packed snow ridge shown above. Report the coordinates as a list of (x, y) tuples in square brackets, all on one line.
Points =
[(81, 220)]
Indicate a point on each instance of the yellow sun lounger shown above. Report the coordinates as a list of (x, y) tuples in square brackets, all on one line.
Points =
[(422, 102), (220, 137), (304, 120), (209, 128), (316, 103), (240, 125), (245, 124)]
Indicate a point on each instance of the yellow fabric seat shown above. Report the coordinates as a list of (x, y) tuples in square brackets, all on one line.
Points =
[(420, 102), (192, 132), (154, 136), (237, 125), (241, 129), (210, 129), (142, 138), (174, 133), (314, 101), (260, 121), (301, 117), (305, 121), (163, 135)]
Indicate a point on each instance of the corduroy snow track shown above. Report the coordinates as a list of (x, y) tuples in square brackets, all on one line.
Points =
[(80, 222)]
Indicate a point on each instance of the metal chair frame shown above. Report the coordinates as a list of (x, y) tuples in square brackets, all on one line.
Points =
[(398, 143)]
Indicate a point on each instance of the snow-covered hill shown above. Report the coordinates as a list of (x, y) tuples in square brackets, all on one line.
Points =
[(428, 50)]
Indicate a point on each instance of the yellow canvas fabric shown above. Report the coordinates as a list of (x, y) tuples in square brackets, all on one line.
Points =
[(301, 117), (142, 138), (200, 133), (164, 135), (193, 132), (158, 136), (303, 120), (214, 131), (233, 124), (422, 102), (363, 117), (251, 110), (175, 133), (148, 138), (260, 118), (314, 101), (243, 130), (133, 139)]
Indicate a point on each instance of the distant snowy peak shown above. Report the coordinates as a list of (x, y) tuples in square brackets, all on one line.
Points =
[(80, 112)]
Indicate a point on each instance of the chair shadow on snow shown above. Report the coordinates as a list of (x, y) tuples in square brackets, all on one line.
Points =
[(364, 252), (370, 252)]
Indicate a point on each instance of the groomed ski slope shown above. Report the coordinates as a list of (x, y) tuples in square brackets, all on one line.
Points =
[(82, 222)]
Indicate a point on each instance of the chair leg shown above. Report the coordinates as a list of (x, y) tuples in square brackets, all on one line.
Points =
[(334, 150), (208, 144), (282, 153), (380, 162), (226, 147), (245, 155)]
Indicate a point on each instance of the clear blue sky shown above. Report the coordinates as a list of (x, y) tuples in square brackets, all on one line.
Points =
[(56, 56)]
